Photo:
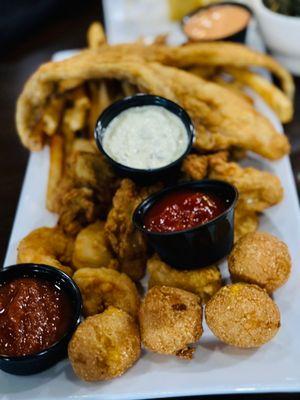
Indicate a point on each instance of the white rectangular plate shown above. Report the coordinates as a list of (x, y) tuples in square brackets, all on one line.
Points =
[(216, 368)]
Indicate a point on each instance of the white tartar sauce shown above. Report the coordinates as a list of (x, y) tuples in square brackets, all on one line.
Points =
[(145, 137)]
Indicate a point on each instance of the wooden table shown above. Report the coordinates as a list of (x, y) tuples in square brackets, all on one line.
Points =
[(64, 31)]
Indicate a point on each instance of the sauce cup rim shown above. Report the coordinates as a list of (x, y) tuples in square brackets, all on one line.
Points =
[(151, 200), (158, 101), (185, 19), (25, 270)]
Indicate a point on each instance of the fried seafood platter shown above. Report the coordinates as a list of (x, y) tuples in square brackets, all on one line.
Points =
[(134, 299)]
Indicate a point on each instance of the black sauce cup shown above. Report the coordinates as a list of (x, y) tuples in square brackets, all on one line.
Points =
[(198, 247), (144, 176), (37, 362), (238, 36)]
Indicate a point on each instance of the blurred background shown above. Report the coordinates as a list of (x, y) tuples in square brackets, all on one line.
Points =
[(30, 32)]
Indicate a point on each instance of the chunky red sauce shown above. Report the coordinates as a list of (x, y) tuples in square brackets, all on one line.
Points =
[(182, 210), (34, 314)]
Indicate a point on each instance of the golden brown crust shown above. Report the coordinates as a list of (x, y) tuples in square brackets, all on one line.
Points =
[(262, 259), (218, 113), (48, 246), (103, 287), (243, 315), (170, 320), (104, 346), (204, 282)]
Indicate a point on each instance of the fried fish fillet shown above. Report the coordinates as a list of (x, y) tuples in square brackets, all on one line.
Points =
[(204, 282), (222, 118)]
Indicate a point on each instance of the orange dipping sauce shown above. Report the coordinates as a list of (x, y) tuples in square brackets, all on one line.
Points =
[(217, 22)]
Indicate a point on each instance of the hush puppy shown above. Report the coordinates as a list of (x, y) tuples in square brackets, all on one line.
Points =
[(170, 320), (104, 346), (243, 315), (262, 259)]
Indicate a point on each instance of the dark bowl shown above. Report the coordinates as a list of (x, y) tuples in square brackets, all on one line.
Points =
[(37, 362), (144, 176), (239, 36), (198, 247)]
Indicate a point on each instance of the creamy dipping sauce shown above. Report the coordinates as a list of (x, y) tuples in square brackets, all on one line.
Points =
[(145, 137), (216, 22)]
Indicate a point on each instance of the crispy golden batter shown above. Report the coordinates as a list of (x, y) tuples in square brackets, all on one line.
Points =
[(104, 346), (257, 189), (78, 209), (91, 249), (204, 282), (262, 259), (218, 113), (243, 315), (195, 166), (171, 320), (48, 246), (103, 287), (244, 222), (127, 242)]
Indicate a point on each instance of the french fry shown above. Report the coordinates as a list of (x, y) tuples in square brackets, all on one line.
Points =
[(100, 99), (52, 115), (95, 36), (68, 84), (276, 99), (75, 117), (128, 88), (56, 171)]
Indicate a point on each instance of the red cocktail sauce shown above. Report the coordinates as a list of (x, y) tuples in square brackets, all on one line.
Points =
[(182, 210), (34, 314)]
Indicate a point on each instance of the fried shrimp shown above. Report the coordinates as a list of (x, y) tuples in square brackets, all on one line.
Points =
[(48, 246), (203, 281), (103, 287), (243, 315), (262, 259), (91, 249), (104, 346), (171, 320)]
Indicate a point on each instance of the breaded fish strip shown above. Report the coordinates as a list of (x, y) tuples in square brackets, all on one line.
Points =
[(262, 259), (243, 315), (103, 287), (91, 249), (104, 346), (204, 282), (48, 246), (218, 113), (170, 321)]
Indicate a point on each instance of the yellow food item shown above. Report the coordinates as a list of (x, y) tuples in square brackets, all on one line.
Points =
[(104, 346), (243, 315), (262, 259), (103, 287), (179, 8), (204, 282), (170, 321), (48, 246), (91, 249)]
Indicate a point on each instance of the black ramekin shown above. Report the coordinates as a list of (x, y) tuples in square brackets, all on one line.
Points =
[(198, 247), (37, 362), (144, 176), (239, 36)]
